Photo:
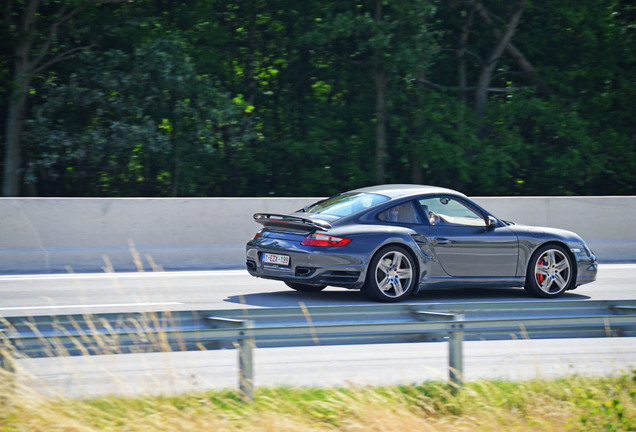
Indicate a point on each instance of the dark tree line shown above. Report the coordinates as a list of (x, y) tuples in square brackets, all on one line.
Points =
[(277, 97)]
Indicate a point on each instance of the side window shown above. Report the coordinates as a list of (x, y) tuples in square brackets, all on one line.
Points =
[(450, 211), (401, 213)]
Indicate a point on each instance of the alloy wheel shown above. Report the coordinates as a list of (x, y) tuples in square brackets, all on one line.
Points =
[(552, 271), (394, 274)]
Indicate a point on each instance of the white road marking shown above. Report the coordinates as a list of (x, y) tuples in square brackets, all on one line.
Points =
[(618, 266), (88, 306), (163, 274)]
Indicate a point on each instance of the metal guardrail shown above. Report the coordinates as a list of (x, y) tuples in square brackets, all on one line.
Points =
[(245, 329)]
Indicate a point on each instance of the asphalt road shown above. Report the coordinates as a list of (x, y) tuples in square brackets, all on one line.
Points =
[(314, 366), (235, 289)]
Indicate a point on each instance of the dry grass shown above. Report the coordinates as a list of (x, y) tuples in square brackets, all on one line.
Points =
[(570, 404)]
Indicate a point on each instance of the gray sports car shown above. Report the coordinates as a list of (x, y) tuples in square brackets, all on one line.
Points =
[(394, 240)]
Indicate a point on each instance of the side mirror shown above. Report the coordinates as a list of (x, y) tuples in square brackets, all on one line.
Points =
[(492, 222)]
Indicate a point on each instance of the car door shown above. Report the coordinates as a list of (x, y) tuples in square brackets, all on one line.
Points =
[(464, 242)]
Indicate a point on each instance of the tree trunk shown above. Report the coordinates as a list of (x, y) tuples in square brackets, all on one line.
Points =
[(380, 126), (521, 60), (461, 71), (481, 94), (417, 150), (176, 172), (16, 104), (380, 81), (12, 156)]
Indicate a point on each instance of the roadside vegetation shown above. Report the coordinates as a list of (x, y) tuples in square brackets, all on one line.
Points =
[(165, 98), (574, 403)]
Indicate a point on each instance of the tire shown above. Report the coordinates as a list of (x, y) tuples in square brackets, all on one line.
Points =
[(305, 287), (550, 272), (392, 275)]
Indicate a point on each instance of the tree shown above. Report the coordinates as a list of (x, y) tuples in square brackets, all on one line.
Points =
[(279, 97), (35, 25), (387, 42), (142, 123)]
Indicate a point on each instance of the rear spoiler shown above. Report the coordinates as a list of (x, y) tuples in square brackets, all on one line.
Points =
[(281, 220)]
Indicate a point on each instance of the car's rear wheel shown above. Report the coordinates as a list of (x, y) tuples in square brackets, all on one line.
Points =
[(391, 276), (305, 287), (550, 272)]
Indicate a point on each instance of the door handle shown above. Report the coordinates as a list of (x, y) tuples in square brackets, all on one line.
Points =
[(442, 241)]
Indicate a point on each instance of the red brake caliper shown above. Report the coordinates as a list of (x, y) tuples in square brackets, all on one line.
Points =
[(540, 277)]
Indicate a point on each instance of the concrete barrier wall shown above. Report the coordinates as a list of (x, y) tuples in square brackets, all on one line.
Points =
[(89, 234), (605, 223)]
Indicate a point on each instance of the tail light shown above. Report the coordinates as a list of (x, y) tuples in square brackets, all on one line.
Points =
[(257, 235), (324, 240)]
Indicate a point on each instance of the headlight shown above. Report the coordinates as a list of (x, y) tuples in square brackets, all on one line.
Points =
[(579, 248)]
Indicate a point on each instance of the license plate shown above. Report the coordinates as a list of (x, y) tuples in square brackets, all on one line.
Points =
[(269, 258)]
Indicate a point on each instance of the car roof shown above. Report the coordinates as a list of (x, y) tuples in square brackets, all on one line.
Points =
[(404, 190)]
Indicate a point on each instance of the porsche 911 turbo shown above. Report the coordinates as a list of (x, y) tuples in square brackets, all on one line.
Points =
[(391, 241)]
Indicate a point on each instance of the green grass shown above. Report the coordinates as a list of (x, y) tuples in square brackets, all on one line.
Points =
[(575, 403)]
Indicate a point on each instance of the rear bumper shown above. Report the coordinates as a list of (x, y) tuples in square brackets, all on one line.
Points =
[(310, 267)]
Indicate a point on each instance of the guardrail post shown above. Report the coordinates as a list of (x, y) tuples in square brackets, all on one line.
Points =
[(246, 361), (7, 370), (7, 365), (6, 362), (6, 358), (244, 344), (455, 351)]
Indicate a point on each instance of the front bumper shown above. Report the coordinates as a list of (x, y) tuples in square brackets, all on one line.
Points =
[(586, 265)]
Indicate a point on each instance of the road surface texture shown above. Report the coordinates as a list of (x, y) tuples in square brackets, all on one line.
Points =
[(301, 366)]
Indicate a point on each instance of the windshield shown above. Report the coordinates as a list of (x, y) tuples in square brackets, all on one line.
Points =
[(346, 204)]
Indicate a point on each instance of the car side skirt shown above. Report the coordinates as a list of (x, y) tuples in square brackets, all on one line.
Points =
[(478, 282)]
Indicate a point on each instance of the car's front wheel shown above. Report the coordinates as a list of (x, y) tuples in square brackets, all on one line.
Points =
[(391, 276), (550, 272), (305, 287)]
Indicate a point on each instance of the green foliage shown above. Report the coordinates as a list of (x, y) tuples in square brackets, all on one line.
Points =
[(144, 118), (607, 407), (279, 97)]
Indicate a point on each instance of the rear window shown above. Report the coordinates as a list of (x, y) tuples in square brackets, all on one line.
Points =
[(346, 204)]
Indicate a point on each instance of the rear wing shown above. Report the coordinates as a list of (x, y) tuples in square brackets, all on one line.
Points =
[(295, 222)]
